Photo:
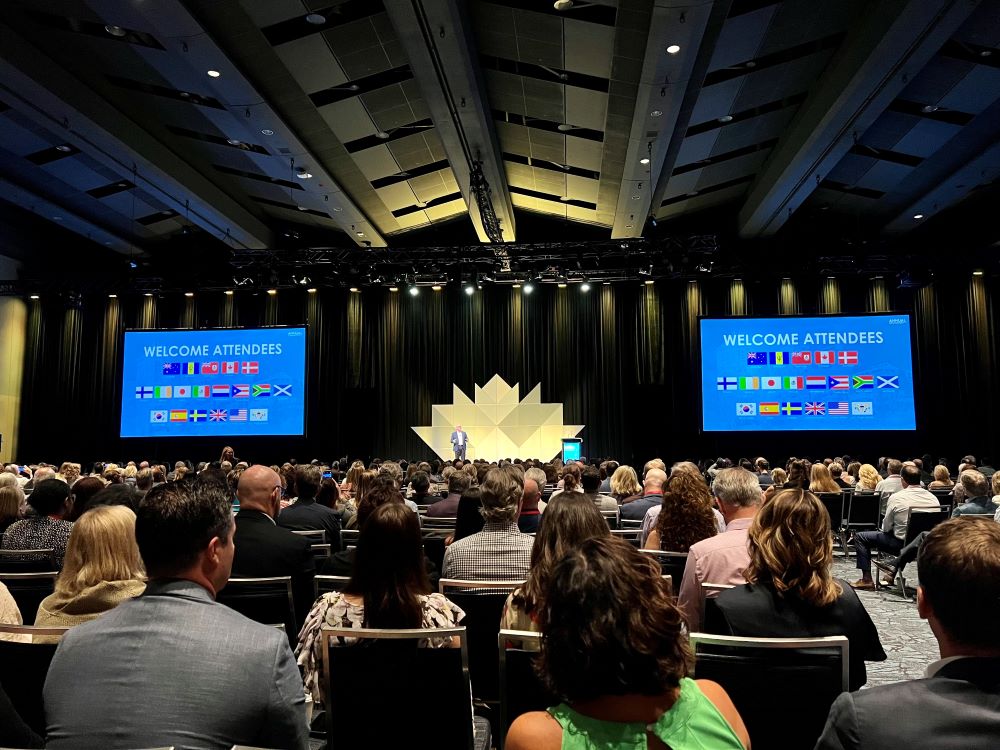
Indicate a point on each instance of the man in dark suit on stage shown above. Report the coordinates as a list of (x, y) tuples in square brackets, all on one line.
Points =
[(459, 442), (265, 549), (957, 704)]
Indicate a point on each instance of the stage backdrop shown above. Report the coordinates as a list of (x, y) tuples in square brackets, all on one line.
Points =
[(622, 360)]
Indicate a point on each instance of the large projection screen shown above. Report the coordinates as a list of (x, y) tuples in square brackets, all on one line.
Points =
[(802, 373), (221, 382)]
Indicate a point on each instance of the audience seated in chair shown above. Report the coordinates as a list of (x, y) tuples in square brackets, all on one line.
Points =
[(978, 498), (685, 516), (52, 501), (790, 592), (306, 513), (102, 570), (617, 693), (652, 496), (458, 484), (11, 500), (530, 516), (172, 667), (566, 524), (388, 589), (957, 704)]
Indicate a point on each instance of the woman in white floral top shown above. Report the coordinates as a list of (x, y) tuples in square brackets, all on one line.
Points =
[(388, 588)]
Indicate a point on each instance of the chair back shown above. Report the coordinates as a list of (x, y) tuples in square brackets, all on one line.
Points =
[(321, 552), (349, 536), (521, 690), (265, 600), (943, 495), (923, 520), (315, 536), (28, 560), (23, 667), (630, 523), (411, 685), (326, 584), (429, 522), (863, 510), (632, 536), (834, 502), (482, 602), (671, 563), (434, 548), (808, 674), (709, 608), (612, 517), (28, 590)]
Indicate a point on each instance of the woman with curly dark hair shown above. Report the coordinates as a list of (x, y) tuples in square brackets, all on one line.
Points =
[(685, 515), (613, 652)]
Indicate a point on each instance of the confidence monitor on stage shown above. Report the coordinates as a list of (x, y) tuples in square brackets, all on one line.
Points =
[(797, 373), (219, 383)]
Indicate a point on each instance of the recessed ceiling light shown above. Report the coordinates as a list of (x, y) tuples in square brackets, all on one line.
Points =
[(303, 175), (628, 226), (337, 208), (234, 141), (517, 286), (564, 127), (117, 31), (751, 64), (311, 290), (977, 272), (585, 287), (112, 296), (272, 292), (228, 292), (918, 216), (469, 289), (382, 135), (394, 289), (188, 294), (644, 160), (649, 282), (562, 284), (213, 73), (64, 147), (656, 113), (635, 197), (316, 19), (148, 294), (436, 287), (360, 234), (34, 296), (673, 49), (354, 289), (726, 118), (353, 87), (606, 283), (267, 131)]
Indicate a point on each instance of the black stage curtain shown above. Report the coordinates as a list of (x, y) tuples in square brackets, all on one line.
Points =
[(622, 359)]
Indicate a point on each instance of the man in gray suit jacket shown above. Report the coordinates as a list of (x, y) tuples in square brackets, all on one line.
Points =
[(173, 667), (459, 442), (957, 705)]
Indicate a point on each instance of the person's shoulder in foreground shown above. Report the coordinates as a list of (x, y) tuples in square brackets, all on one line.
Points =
[(173, 667), (957, 705)]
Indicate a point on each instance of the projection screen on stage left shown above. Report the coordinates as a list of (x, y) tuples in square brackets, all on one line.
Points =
[(218, 382)]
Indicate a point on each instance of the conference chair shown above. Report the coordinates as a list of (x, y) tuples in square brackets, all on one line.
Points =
[(321, 552), (612, 517), (349, 536), (315, 536), (327, 584), (782, 687), (28, 590), (265, 600), (39, 560), (708, 608), (521, 690), (944, 496), (23, 667), (918, 522), (482, 602), (385, 691), (630, 523), (632, 536), (835, 504), (671, 563), (862, 511), (430, 524)]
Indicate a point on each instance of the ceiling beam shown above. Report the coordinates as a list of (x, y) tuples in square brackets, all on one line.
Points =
[(57, 100), (882, 53), (663, 100), (438, 40)]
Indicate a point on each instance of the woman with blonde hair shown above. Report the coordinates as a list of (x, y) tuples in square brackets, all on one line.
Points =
[(350, 482), (625, 484), (942, 479), (868, 477), (820, 479), (102, 569), (778, 476), (11, 502), (790, 592)]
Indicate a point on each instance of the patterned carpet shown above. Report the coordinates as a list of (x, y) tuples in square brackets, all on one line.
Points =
[(907, 640)]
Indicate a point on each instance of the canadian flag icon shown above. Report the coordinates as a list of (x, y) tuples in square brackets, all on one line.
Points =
[(824, 358), (230, 368)]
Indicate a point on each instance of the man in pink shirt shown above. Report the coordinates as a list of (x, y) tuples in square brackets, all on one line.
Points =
[(722, 558)]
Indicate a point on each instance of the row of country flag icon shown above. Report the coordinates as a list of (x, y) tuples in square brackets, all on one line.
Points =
[(802, 358), (211, 368), (807, 383), (259, 390), (165, 416), (809, 408)]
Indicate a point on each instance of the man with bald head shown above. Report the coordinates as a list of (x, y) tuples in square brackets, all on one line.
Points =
[(652, 495), (265, 549)]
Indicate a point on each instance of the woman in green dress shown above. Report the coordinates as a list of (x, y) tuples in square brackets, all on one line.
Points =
[(613, 652)]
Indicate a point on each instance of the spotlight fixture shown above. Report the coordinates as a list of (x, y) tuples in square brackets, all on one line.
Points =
[(34, 296), (414, 291), (585, 287), (228, 292), (133, 264), (311, 290), (436, 287), (977, 272), (470, 289), (234, 141), (562, 284), (115, 31), (316, 19), (517, 286), (148, 294), (673, 49), (213, 73), (528, 288), (606, 283), (929, 108), (64, 148), (272, 292), (112, 296), (726, 118), (188, 294), (394, 289), (649, 282), (360, 234), (644, 160), (354, 289), (656, 113), (918, 216)]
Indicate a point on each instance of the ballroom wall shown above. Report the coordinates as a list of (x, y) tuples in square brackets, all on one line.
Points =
[(622, 359)]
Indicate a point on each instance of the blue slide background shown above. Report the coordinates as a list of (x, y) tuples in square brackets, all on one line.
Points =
[(892, 409), (286, 414)]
